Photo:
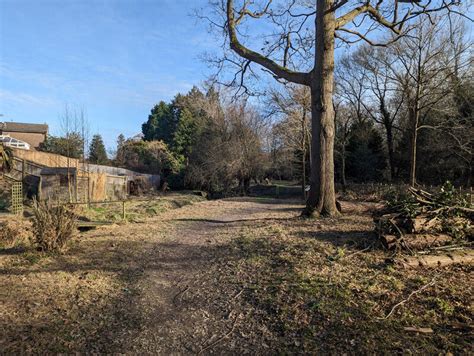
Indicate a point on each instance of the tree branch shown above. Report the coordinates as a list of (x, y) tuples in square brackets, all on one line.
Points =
[(278, 70), (369, 9), (246, 12)]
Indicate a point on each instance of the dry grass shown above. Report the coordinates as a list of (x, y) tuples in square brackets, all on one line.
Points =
[(329, 290), (138, 210), (14, 230), (78, 300), (231, 276)]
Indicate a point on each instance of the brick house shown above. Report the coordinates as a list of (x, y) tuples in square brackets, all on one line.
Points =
[(33, 134)]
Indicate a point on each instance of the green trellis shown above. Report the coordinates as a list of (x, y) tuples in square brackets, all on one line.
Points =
[(17, 198)]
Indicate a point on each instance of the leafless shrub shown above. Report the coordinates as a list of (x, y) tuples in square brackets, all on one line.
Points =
[(228, 149), (14, 230), (53, 226)]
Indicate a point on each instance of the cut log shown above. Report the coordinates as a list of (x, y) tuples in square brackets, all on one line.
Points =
[(422, 224), (418, 242), (415, 242), (422, 196), (464, 257), (389, 241), (426, 225)]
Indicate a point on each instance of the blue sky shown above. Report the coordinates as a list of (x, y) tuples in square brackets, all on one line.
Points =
[(114, 58)]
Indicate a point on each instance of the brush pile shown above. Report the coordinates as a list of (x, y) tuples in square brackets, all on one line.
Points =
[(420, 221)]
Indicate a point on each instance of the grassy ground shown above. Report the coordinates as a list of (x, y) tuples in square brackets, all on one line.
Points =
[(329, 289), (138, 209), (242, 275), (62, 302)]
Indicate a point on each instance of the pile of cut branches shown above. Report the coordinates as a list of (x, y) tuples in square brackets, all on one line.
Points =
[(421, 221)]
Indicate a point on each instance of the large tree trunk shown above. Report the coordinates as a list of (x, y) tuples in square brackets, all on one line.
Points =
[(322, 197)]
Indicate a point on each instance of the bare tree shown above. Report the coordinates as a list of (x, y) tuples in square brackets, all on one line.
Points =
[(422, 65), (296, 53), (294, 129), (344, 120), (228, 148), (351, 86), (75, 133), (382, 102)]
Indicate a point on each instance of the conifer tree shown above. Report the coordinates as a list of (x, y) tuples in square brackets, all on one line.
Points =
[(97, 153)]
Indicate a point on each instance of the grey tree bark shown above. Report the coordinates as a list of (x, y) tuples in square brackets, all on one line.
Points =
[(387, 14), (322, 197)]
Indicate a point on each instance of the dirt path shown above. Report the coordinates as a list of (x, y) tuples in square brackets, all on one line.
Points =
[(178, 304), (239, 276)]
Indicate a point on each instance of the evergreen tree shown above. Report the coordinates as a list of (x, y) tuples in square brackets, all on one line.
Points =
[(365, 158), (190, 112), (97, 152), (161, 124), (177, 123), (191, 101), (185, 134)]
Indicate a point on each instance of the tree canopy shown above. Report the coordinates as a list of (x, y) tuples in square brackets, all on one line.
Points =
[(71, 145)]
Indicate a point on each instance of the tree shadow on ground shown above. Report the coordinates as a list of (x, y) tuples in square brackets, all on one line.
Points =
[(267, 289), (213, 221), (45, 322), (310, 299), (266, 200), (78, 320), (9, 251)]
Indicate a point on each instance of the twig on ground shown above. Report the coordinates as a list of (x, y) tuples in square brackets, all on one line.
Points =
[(360, 251), (221, 338), (396, 228), (238, 294), (409, 297)]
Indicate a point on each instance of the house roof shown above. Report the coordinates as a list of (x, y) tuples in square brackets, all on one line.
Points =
[(23, 127)]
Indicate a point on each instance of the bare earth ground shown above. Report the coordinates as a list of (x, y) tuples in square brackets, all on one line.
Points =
[(243, 276)]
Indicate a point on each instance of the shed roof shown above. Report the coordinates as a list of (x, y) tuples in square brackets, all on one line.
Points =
[(58, 171), (23, 127)]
